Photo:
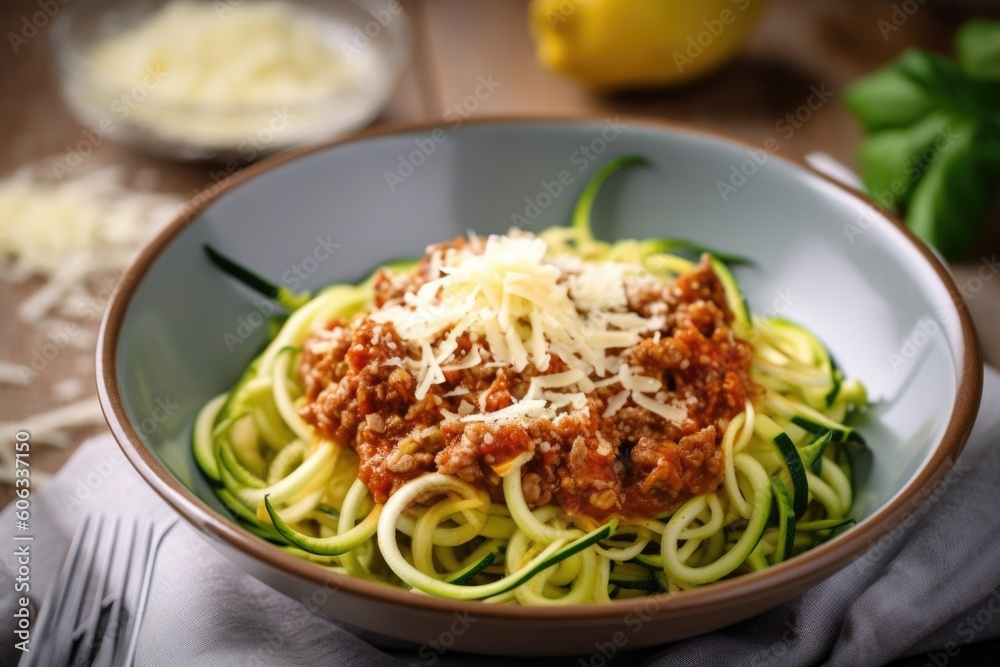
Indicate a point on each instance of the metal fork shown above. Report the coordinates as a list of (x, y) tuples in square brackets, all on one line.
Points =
[(94, 610)]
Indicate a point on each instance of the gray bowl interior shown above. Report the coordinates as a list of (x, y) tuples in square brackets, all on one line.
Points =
[(822, 257)]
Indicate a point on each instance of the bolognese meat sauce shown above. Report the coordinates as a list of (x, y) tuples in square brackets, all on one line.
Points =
[(607, 457)]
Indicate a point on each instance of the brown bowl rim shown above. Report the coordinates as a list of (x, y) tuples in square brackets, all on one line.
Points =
[(820, 561)]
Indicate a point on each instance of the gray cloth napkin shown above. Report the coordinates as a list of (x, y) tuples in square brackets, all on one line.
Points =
[(932, 588)]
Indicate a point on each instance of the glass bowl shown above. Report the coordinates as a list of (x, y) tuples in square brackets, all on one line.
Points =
[(374, 38)]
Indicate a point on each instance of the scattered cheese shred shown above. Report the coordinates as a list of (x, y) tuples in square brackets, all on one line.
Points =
[(532, 409), (616, 403), (47, 426), (671, 413), (69, 389), (72, 231), (16, 374)]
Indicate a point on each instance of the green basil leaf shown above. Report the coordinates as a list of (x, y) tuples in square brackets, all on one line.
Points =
[(978, 47), (942, 79), (933, 148), (955, 196), (888, 99), (893, 161)]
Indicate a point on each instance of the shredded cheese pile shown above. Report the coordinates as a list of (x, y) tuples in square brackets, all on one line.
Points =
[(250, 78), (238, 55), (528, 306)]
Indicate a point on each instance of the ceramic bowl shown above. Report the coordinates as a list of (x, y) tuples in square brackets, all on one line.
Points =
[(177, 332)]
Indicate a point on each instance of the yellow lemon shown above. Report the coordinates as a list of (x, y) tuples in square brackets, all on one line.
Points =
[(640, 43)]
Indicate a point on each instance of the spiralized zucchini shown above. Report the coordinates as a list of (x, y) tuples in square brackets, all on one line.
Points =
[(786, 487)]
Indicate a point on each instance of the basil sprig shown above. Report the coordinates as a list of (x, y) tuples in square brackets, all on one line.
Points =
[(932, 150)]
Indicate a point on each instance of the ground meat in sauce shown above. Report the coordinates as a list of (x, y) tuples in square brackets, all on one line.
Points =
[(633, 464)]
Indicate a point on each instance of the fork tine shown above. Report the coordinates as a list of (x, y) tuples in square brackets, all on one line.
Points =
[(144, 541), (157, 533), (69, 616), (55, 600), (113, 634), (89, 620), (71, 584)]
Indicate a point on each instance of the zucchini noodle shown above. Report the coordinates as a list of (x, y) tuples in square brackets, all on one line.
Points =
[(784, 486)]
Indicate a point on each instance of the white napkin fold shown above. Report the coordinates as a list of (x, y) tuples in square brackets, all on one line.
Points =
[(934, 589)]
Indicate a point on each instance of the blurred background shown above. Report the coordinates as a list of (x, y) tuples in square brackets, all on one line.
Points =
[(96, 153)]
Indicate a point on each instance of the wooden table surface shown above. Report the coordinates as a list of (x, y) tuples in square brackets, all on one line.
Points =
[(799, 44)]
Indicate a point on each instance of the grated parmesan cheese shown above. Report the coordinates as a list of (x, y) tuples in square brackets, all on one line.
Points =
[(249, 71), (670, 412), (525, 409), (528, 307), (257, 54), (616, 403)]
